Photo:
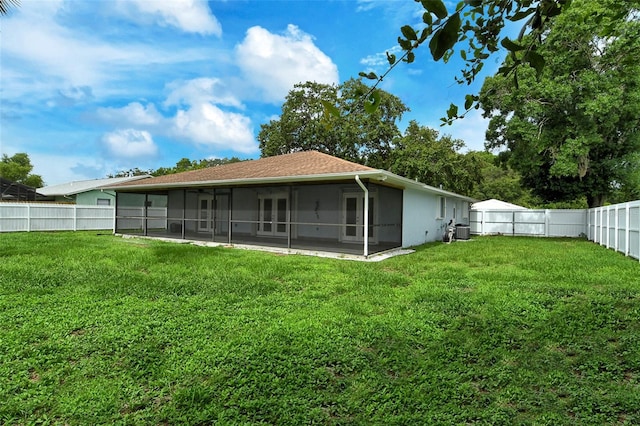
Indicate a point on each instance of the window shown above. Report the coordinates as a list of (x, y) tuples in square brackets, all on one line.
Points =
[(442, 208), (103, 202)]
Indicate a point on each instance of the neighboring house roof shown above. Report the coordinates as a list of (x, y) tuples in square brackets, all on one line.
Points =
[(77, 187), (493, 204), (297, 167)]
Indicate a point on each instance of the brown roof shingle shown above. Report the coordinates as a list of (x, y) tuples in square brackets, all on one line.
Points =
[(304, 163)]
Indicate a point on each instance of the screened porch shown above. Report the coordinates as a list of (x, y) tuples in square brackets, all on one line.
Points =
[(334, 217)]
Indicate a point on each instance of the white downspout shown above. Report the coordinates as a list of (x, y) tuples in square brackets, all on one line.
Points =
[(366, 215)]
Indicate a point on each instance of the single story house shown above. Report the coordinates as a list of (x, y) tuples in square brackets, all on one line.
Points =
[(86, 192), (303, 200)]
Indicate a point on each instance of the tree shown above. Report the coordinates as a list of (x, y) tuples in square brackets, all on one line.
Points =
[(129, 173), (481, 23), (419, 154), (183, 165), (572, 129), (354, 136), (499, 181), (18, 169)]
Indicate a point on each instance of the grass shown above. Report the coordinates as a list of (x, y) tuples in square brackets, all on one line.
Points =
[(499, 330)]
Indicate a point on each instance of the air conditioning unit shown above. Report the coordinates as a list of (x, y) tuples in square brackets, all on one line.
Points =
[(463, 232)]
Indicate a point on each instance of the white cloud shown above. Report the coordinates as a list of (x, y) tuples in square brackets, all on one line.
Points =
[(130, 144), (39, 55), (208, 125), (193, 16), (274, 63), (201, 90), (380, 59), (133, 115)]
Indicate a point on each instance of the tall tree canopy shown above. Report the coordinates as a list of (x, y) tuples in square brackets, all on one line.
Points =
[(182, 165), (18, 169), (354, 136), (420, 154), (573, 129)]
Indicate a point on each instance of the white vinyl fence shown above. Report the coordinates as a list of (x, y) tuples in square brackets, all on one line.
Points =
[(537, 223), (16, 217), (616, 227)]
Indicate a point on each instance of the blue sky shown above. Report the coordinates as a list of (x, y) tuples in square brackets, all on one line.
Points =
[(92, 87)]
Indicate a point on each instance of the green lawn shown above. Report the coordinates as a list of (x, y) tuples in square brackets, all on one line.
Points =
[(497, 330)]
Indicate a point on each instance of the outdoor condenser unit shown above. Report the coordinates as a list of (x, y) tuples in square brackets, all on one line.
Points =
[(463, 232)]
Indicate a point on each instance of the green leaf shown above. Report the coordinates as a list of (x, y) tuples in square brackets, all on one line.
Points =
[(373, 102), (409, 32), (452, 112), (436, 7), (370, 76), (391, 58), (473, 3), (330, 110), (511, 46), (446, 37), (404, 44), (535, 60), (468, 101), (521, 15), (427, 19), (410, 57)]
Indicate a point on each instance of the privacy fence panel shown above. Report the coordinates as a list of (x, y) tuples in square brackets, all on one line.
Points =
[(616, 227), (15, 217), (538, 223)]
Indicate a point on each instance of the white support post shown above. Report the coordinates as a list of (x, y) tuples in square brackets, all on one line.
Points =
[(366, 216), (75, 217), (28, 217)]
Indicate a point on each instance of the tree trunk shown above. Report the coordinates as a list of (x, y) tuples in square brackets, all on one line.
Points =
[(596, 200)]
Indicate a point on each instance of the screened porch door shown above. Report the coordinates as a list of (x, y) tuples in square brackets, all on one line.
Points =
[(273, 215), (213, 214), (205, 213), (353, 217)]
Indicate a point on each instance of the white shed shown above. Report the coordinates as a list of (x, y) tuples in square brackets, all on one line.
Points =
[(493, 204)]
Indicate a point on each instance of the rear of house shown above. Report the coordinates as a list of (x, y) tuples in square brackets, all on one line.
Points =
[(302, 201)]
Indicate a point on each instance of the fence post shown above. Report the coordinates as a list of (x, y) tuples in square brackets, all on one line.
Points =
[(627, 225), (28, 217), (75, 217), (616, 240), (547, 213), (601, 224)]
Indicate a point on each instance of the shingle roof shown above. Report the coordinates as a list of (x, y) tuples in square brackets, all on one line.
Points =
[(305, 163)]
